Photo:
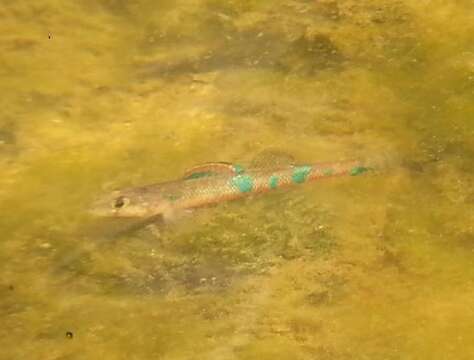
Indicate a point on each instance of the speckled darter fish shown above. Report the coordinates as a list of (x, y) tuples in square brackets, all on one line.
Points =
[(213, 183)]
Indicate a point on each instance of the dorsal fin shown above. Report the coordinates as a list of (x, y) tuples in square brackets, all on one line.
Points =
[(272, 158), (212, 169)]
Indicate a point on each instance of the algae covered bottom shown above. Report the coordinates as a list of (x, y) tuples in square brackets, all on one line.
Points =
[(129, 93)]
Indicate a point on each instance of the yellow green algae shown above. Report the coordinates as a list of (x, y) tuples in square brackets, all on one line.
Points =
[(105, 94)]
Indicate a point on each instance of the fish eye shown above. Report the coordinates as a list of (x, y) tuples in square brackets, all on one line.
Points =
[(120, 202)]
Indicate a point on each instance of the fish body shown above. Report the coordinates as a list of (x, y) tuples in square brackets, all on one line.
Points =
[(214, 183)]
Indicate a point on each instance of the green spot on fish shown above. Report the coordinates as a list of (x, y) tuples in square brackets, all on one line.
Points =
[(172, 197), (273, 183), (358, 170), (300, 173), (243, 182), (328, 172), (198, 175), (238, 169)]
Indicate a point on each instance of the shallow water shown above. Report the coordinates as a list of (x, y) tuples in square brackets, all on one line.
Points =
[(104, 94)]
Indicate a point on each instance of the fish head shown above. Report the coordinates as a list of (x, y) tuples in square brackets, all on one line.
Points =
[(132, 203)]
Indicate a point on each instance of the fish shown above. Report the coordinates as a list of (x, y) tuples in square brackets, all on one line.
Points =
[(213, 183)]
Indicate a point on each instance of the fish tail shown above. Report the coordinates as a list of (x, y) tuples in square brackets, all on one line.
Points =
[(352, 168)]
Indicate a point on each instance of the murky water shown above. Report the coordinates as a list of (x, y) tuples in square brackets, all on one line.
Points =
[(104, 94)]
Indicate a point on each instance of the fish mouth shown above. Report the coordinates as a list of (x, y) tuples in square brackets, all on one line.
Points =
[(98, 212)]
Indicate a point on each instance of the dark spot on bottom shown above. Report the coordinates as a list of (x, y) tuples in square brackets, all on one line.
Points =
[(413, 166), (318, 297), (69, 334)]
